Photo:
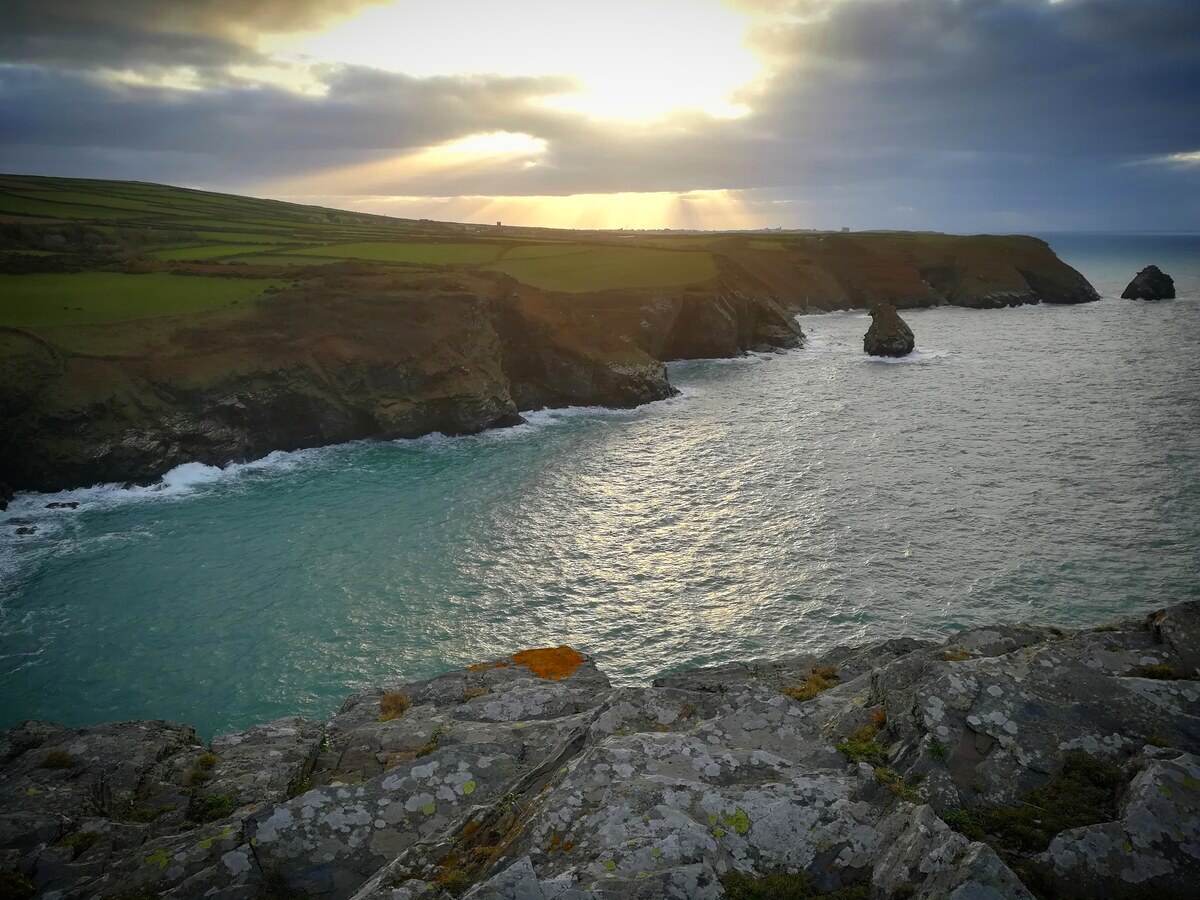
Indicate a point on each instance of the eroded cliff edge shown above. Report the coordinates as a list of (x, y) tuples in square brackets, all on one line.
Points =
[(355, 351), (1005, 762)]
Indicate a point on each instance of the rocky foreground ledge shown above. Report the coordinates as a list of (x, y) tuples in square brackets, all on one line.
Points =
[(1009, 761)]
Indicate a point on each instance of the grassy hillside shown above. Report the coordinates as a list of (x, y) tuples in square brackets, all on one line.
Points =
[(78, 251)]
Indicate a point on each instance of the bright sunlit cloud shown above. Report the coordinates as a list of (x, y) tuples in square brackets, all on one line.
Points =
[(495, 153), (631, 59)]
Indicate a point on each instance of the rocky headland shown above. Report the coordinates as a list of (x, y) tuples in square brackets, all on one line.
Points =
[(354, 350), (1152, 283), (1004, 762)]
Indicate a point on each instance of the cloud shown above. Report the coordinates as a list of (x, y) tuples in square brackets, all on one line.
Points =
[(120, 33), (904, 113)]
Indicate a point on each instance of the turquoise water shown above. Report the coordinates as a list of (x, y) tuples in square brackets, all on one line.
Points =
[(1039, 464)]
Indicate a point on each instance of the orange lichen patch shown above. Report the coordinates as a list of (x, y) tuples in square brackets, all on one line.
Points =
[(553, 663), (483, 667)]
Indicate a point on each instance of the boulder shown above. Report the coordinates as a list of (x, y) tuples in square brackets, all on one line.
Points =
[(1152, 283), (889, 335)]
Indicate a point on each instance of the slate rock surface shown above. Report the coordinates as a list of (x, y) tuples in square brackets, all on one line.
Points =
[(907, 768)]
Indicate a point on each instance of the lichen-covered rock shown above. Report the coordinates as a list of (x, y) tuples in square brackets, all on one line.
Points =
[(265, 763), (1150, 284), (889, 335), (1153, 846), (905, 768)]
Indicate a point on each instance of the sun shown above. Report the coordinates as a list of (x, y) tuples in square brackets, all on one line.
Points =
[(624, 59)]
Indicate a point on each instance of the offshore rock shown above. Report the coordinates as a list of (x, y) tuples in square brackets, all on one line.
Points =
[(889, 335), (904, 768), (1150, 284)]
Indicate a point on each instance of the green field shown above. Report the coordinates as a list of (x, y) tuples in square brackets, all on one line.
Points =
[(29, 206), (417, 252), (608, 268), (89, 298), (117, 229), (538, 251), (208, 251), (278, 259)]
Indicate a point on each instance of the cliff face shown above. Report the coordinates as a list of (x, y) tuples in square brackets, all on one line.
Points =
[(1007, 762), (366, 351), (911, 270), (355, 353)]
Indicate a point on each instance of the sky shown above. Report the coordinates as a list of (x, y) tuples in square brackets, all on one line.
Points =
[(951, 115)]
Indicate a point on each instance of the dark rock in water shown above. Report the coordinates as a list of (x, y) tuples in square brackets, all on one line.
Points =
[(1152, 283), (27, 529), (889, 335), (63, 504), (6, 495)]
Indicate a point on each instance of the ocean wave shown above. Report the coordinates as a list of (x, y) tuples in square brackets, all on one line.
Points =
[(182, 481), (192, 478), (917, 357)]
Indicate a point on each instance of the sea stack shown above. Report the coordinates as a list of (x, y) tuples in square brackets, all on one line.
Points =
[(1152, 283), (889, 335)]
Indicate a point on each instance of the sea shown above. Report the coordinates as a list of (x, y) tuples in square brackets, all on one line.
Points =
[(1038, 464)]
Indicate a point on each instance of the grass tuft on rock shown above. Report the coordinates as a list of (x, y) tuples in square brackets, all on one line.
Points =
[(58, 759), (956, 655), (15, 885), (206, 761), (1161, 673), (393, 705), (904, 788), (818, 680), (1085, 793), (784, 886), (212, 807), (861, 746), (79, 843)]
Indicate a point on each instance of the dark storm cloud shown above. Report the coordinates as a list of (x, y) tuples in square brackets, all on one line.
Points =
[(240, 133), (964, 114), (121, 33)]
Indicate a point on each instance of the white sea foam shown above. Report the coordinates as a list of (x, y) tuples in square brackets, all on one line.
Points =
[(182, 481), (816, 342), (917, 357)]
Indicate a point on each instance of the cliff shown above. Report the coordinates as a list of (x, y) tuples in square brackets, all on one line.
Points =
[(1005, 762), (267, 356), (352, 351), (912, 270)]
